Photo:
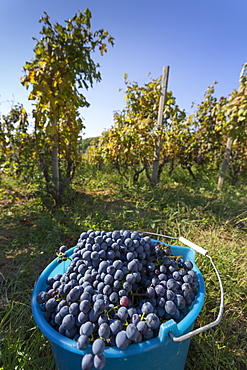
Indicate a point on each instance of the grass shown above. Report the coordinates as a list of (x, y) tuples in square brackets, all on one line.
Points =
[(30, 233)]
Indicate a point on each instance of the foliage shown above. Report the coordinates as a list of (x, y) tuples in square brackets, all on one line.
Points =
[(198, 139), (131, 141), (219, 120), (84, 144), (16, 143), (61, 67), (235, 110), (207, 134)]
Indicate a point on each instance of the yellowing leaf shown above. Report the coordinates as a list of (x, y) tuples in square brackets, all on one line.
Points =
[(42, 64), (31, 76), (51, 130), (102, 49), (31, 96)]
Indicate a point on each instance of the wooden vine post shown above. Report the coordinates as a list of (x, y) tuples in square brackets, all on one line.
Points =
[(55, 152), (225, 162), (158, 140)]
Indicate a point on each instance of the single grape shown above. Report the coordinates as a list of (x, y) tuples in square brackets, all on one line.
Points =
[(188, 264), (103, 319), (58, 319), (148, 334), (42, 297), (107, 290), (119, 275), (108, 279), (172, 284), (132, 265), (122, 293), (128, 242), (192, 273), (104, 330), (98, 346), (132, 332), (99, 361), (138, 339), (110, 269), (89, 289), (99, 306), (71, 333), (135, 319), (176, 275), (51, 304), (170, 307), (187, 279), (170, 295), (62, 249), (122, 340), (114, 297), (160, 311), (186, 287), (122, 313), (85, 306), (83, 236), (116, 326), (82, 318), (68, 322), (153, 322), (86, 328), (161, 301), (87, 362), (147, 308), (142, 327), (74, 309), (180, 301), (86, 296), (49, 281), (124, 301), (160, 290), (127, 286), (64, 311), (74, 294), (94, 315)]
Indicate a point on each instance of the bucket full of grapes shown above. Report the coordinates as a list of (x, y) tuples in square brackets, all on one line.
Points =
[(122, 300)]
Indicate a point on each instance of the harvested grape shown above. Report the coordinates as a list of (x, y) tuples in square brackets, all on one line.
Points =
[(119, 287), (98, 346), (122, 340), (87, 362), (99, 361)]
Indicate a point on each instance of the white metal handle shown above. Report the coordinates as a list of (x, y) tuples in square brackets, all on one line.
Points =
[(194, 246)]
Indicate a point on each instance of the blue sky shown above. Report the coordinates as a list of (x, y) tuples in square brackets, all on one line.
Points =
[(201, 40)]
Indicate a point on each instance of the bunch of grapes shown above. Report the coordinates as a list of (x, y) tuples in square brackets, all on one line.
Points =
[(118, 289)]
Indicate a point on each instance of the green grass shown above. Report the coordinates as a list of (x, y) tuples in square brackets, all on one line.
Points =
[(31, 232)]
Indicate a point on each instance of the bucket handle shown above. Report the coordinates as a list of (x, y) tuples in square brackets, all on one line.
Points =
[(204, 252), (212, 324)]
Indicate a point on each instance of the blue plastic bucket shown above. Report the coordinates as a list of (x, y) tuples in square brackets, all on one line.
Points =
[(160, 353)]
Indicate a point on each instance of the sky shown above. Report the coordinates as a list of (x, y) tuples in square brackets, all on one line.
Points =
[(202, 41)]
